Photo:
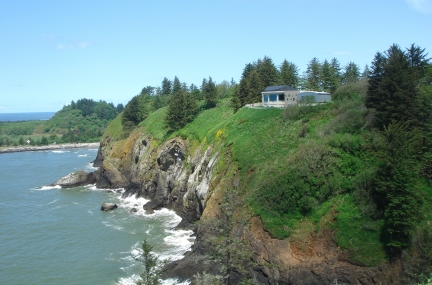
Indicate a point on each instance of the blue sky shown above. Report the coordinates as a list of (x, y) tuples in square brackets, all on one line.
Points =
[(53, 52)]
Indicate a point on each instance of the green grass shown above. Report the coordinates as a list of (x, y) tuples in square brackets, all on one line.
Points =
[(115, 128), (358, 235), (155, 124)]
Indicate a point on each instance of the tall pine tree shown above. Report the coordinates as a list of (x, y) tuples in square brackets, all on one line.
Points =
[(313, 75), (289, 74)]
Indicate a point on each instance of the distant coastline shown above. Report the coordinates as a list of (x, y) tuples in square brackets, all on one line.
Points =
[(47, 147), (30, 116)]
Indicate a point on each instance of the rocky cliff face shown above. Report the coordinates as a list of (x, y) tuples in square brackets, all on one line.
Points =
[(171, 174), (175, 175)]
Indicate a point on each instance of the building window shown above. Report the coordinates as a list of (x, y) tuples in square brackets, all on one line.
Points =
[(273, 97), (281, 97), (265, 98)]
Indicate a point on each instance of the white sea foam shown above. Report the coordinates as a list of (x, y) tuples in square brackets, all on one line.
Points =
[(132, 202), (132, 280), (83, 155), (60, 151), (44, 188), (90, 167), (116, 227), (175, 243)]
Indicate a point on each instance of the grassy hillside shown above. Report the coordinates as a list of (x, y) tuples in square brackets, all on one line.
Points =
[(310, 166)]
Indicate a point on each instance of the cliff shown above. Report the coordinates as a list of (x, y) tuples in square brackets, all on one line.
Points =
[(215, 174)]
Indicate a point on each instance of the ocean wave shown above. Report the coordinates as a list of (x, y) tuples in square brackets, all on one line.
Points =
[(132, 202), (60, 151), (83, 155), (44, 188), (115, 227), (132, 280)]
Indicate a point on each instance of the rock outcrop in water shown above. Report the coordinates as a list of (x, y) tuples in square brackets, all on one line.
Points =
[(108, 206), (76, 179)]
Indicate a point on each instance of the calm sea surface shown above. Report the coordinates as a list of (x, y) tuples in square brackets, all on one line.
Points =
[(60, 236), (14, 117)]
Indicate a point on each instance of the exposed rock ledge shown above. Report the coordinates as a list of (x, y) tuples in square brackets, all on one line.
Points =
[(48, 147), (76, 179)]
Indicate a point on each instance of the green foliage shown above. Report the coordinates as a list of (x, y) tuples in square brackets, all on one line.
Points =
[(136, 110), (351, 73), (289, 74), (313, 75), (351, 91), (210, 94), (395, 183), (152, 266), (393, 91), (18, 128), (359, 235), (83, 121), (182, 109)]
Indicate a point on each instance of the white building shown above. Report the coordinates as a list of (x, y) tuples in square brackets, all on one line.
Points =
[(284, 96)]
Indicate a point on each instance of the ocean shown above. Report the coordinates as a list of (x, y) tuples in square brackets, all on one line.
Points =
[(15, 117), (59, 236)]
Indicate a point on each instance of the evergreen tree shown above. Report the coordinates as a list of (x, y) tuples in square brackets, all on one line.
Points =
[(203, 84), (235, 100), (195, 92), (336, 77), (326, 76), (336, 69), (182, 107), (289, 74), (395, 185), (374, 80), (418, 62), (166, 87), (210, 94), (366, 72), (267, 71), (148, 90), (247, 70), (135, 111), (351, 73), (397, 92), (177, 88), (157, 102), (152, 266), (241, 94), (313, 75), (256, 86), (120, 108)]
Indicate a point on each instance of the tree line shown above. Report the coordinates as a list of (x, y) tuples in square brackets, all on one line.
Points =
[(324, 76), (183, 101)]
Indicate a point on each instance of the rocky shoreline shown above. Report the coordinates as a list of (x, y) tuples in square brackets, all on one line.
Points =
[(48, 147)]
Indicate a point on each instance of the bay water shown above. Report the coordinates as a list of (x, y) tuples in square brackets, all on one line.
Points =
[(56, 236), (31, 116)]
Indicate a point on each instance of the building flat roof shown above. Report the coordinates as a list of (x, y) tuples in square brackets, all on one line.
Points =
[(279, 88)]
